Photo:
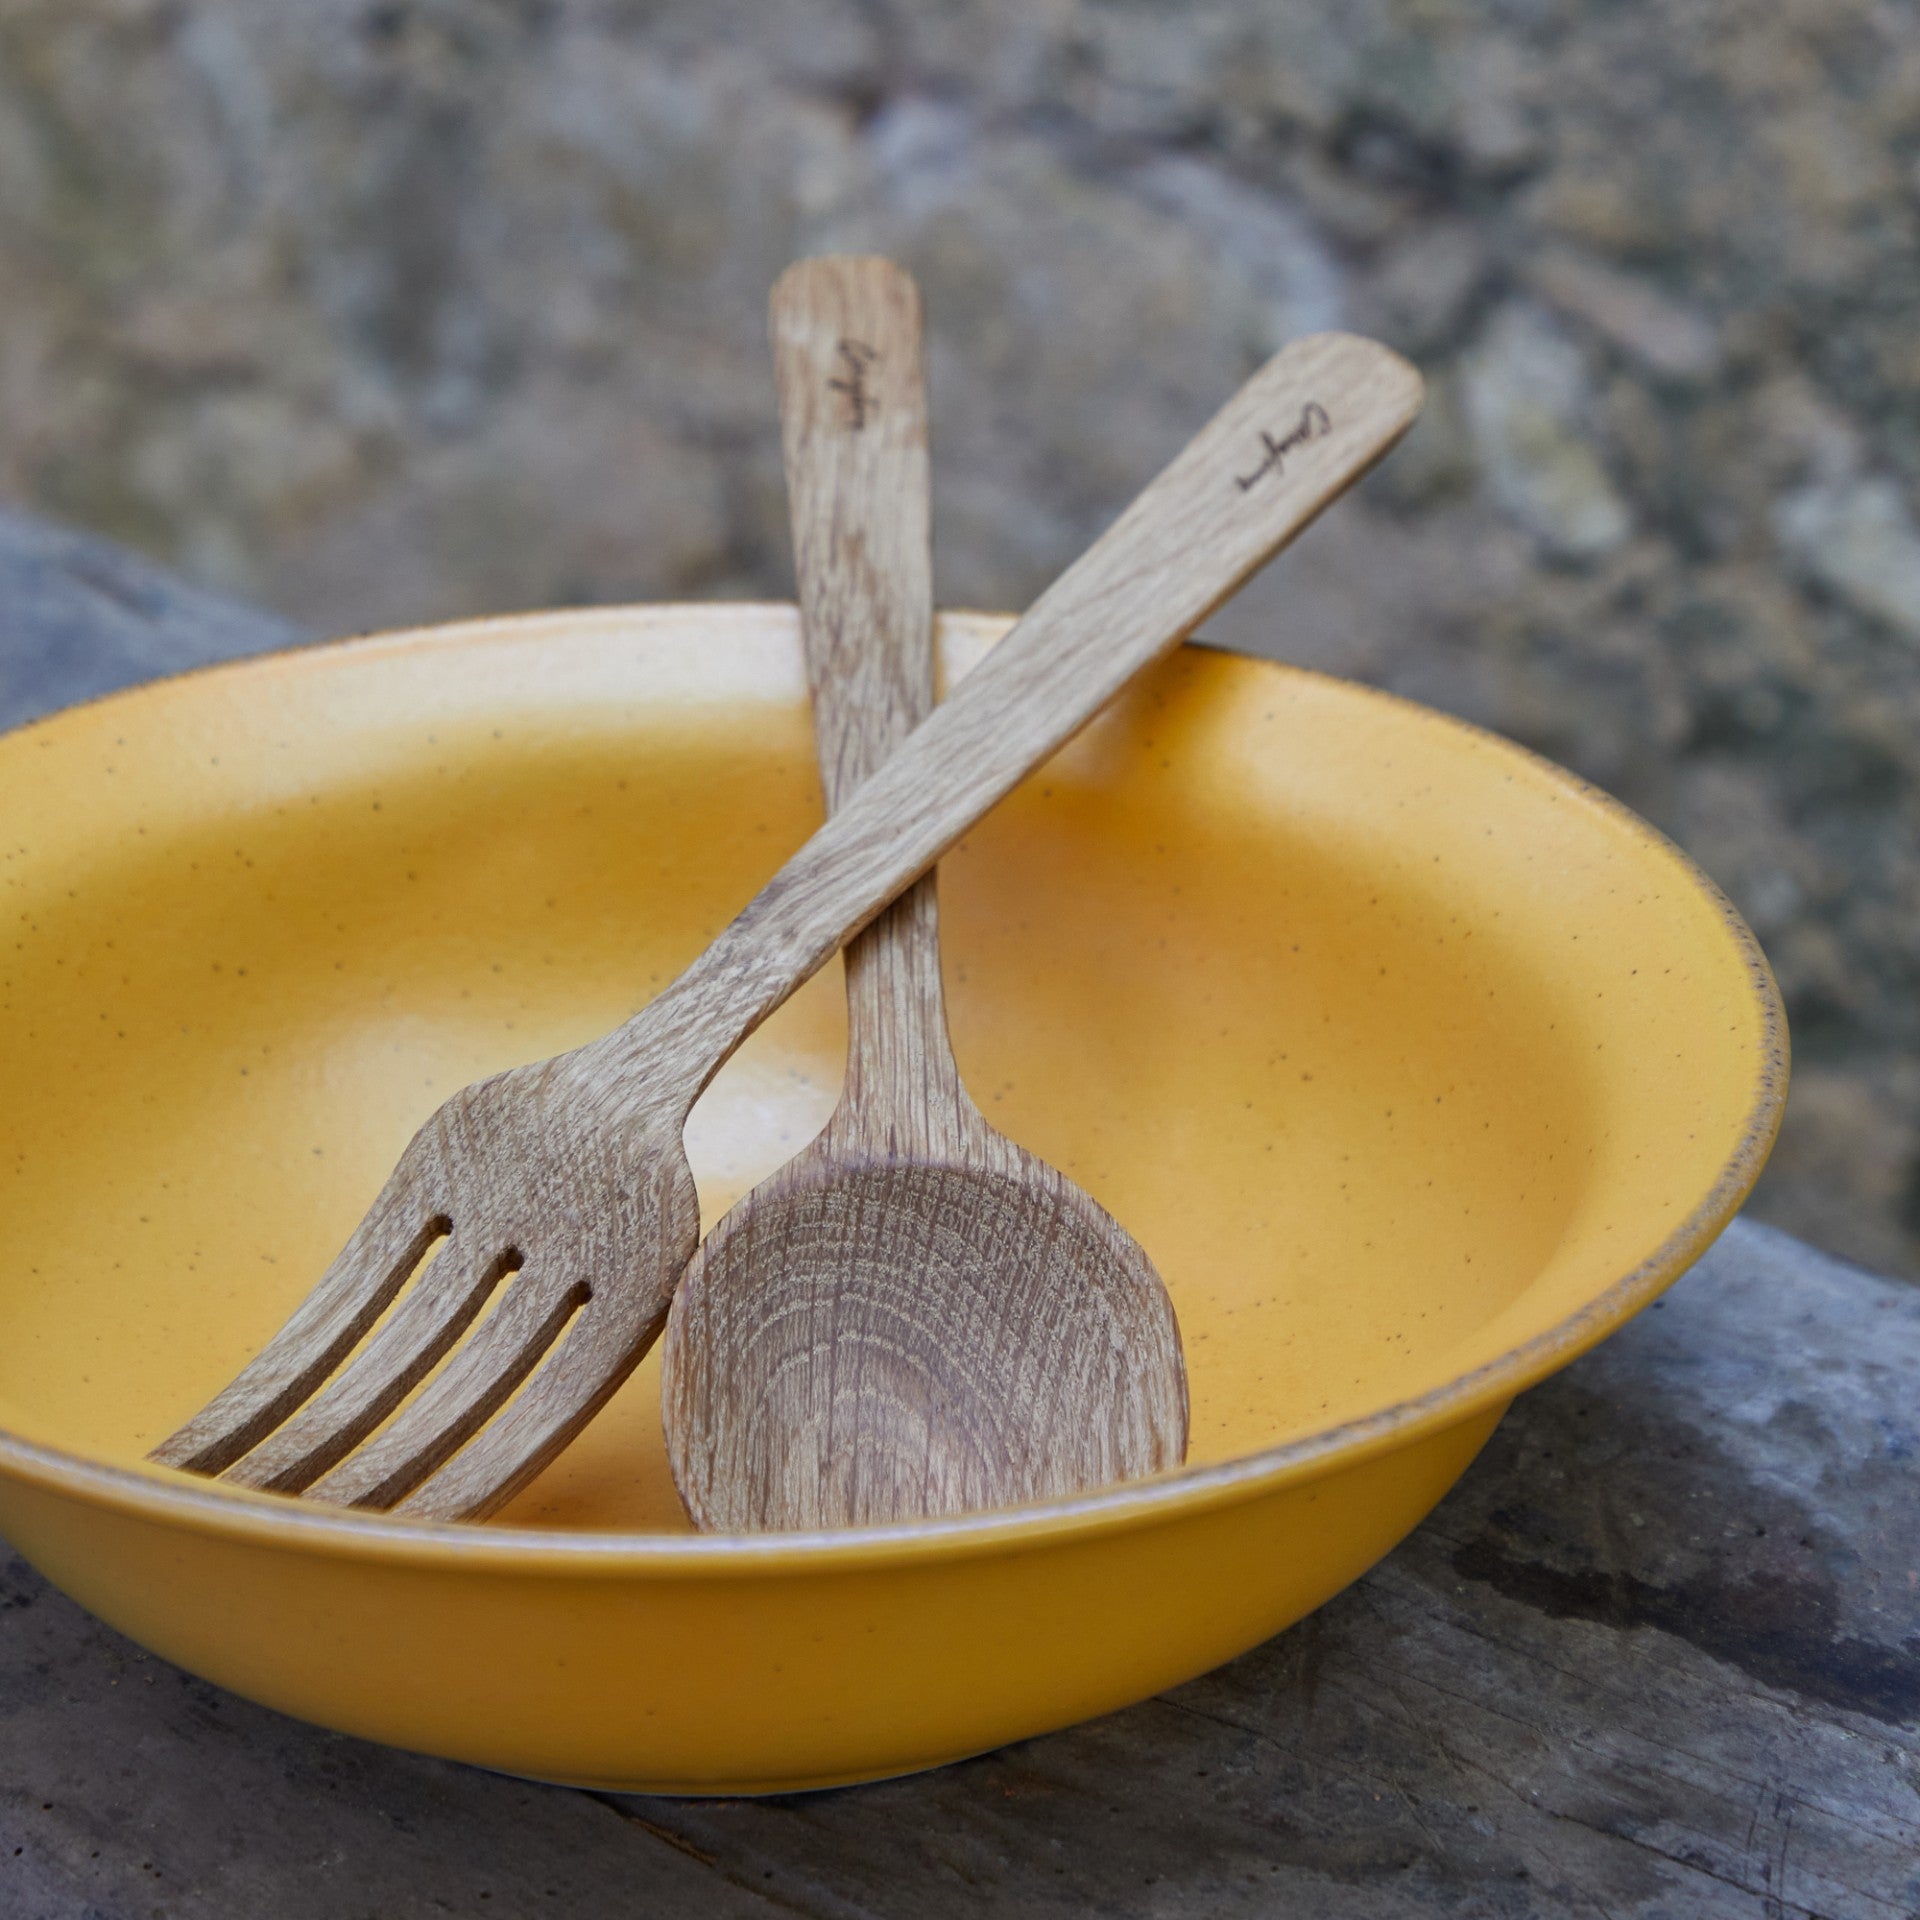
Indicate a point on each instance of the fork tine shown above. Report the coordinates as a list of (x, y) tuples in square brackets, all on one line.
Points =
[(352, 1294), (607, 1340), (479, 1379), (425, 1324)]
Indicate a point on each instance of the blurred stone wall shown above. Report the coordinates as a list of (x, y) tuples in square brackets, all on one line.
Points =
[(386, 310)]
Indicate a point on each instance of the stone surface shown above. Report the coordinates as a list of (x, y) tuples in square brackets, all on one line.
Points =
[(1529, 409), (1857, 538), (386, 310), (1657, 1655), (80, 617)]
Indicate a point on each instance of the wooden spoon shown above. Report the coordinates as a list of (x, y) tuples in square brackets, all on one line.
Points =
[(564, 1185), (914, 1316)]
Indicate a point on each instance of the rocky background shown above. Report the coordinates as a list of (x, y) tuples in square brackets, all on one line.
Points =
[(379, 311)]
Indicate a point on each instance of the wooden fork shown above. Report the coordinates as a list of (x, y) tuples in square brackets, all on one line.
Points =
[(567, 1182)]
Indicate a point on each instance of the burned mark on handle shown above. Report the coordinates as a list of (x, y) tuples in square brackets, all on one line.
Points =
[(856, 358), (1313, 424)]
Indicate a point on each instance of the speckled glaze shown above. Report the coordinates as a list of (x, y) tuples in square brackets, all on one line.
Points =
[(1416, 1065)]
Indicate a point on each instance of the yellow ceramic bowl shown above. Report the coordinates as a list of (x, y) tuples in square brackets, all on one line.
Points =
[(1415, 1064)]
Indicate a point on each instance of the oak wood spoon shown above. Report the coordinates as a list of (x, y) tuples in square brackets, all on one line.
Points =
[(564, 1185), (913, 1316)]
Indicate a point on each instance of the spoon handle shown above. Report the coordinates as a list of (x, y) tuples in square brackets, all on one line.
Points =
[(1316, 417), (853, 418), (853, 425)]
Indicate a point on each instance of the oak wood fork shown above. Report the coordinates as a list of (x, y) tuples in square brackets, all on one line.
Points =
[(565, 1183)]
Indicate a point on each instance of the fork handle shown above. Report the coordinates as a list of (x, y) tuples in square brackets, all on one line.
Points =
[(1315, 418)]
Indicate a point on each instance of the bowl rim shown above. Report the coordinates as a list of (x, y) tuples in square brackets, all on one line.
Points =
[(158, 1494)]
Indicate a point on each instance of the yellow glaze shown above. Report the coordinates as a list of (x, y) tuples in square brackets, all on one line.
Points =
[(1416, 1065)]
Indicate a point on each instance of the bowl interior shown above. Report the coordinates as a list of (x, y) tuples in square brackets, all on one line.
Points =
[(1392, 1045)]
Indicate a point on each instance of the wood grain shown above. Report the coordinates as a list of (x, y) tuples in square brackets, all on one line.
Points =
[(575, 1167), (914, 1316)]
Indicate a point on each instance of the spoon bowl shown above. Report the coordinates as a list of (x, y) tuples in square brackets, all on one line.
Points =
[(938, 1338)]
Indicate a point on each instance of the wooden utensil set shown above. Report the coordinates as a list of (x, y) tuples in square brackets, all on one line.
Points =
[(914, 1316)]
